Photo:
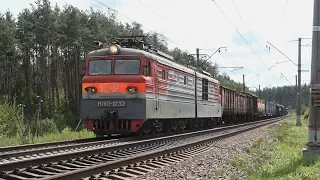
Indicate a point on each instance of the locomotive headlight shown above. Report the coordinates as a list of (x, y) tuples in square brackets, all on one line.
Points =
[(91, 90), (114, 49), (131, 89)]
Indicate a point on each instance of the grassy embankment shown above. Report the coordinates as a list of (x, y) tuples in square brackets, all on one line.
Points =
[(280, 157), (13, 128), (65, 135)]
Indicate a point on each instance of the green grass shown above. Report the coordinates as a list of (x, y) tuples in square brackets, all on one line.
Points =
[(281, 156), (65, 135)]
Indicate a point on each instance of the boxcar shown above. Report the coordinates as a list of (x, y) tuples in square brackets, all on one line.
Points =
[(271, 109), (251, 107), (241, 106), (261, 108), (280, 110), (228, 104)]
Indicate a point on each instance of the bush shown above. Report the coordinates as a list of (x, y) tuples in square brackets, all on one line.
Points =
[(48, 126), (10, 120)]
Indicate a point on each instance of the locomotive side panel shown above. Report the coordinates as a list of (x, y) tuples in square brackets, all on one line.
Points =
[(208, 103), (174, 97)]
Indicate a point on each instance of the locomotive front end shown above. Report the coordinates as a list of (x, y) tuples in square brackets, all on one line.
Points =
[(113, 92)]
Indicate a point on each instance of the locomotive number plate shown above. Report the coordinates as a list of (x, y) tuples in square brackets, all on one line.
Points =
[(103, 104)]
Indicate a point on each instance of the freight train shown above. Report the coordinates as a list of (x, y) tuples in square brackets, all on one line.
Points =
[(131, 88)]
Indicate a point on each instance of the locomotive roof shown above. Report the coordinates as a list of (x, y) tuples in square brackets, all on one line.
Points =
[(137, 52)]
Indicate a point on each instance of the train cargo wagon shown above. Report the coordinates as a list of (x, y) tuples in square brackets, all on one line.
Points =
[(267, 109), (228, 100), (261, 108), (273, 109), (229, 104), (280, 110), (251, 107), (241, 105)]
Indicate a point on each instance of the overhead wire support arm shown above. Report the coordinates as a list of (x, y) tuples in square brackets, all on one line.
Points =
[(282, 53), (218, 50), (277, 63), (234, 68)]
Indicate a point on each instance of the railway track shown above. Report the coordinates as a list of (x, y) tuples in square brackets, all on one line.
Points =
[(14, 154), (19, 148), (17, 154), (104, 161)]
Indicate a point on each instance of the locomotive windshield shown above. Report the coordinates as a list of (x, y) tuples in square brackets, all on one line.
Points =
[(127, 66), (99, 67)]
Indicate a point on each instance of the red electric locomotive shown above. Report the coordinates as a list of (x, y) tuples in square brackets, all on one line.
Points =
[(131, 88)]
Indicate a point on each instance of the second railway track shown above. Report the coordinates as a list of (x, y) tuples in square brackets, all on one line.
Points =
[(75, 165)]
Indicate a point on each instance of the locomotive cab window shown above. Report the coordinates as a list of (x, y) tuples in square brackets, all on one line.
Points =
[(146, 71), (99, 67), (127, 67), (205, 89)]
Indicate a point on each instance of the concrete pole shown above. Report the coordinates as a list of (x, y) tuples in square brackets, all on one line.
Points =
[(244, 85), (296, 91), (259, 92), (296, 83), (314, 98), (298, 122), (198, 59)]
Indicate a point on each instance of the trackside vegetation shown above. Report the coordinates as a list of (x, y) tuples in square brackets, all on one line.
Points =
[(280, 156), (14, 132)]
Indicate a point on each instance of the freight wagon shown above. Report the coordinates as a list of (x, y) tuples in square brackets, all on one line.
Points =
[(270, 109)]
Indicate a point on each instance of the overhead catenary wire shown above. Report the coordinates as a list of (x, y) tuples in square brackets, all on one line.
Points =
[(242, 37), (286, 79), (151, 10), (244, 22), (116, 11), (157, 14), (284, 12)]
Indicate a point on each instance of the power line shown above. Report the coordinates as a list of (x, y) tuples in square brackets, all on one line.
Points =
[(157, 14), (244, 22), (150, 9), (284, 12), (282, 53), (116, 11), (249, 32), (286, 79), (241, 36), (245, 39)]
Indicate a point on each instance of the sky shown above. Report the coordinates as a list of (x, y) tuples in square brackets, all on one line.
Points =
[(243, 26)]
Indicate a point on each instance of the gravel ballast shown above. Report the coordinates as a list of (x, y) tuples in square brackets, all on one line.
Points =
[(214, 163)]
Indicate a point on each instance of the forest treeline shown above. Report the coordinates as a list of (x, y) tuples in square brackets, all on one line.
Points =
[(42, 52)]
